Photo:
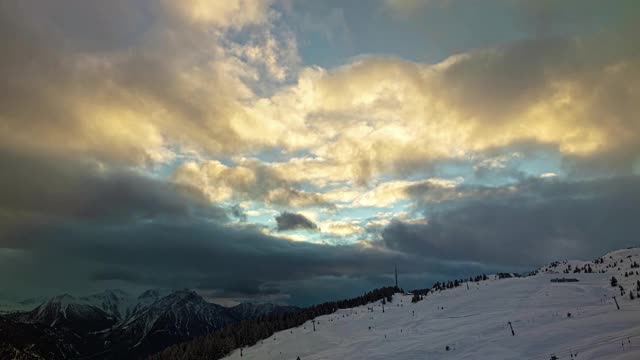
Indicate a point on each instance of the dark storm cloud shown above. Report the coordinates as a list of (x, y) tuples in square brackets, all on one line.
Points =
[(528, 224), (67, 188), (197, 254), (248, 288), (114, 274), (290, 221)]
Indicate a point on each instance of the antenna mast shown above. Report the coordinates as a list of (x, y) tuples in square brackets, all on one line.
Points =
[(396, 270)]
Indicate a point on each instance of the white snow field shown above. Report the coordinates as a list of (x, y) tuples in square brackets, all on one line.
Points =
[(474, 322)]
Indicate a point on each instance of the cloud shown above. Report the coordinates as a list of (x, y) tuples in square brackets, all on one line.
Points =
[(247, 180), (290, 221), (534, 222), (148, 90), (203, 255), (551, 92), (391, 192), (233, 13), (238, 212), (114, 274), (149, 233), (139, 97), (196, 254), (278, 57), (38, 188), (217, 180), (72, 225), (342, 228)]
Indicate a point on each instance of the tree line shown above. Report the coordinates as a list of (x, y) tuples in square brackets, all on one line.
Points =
[(219, 344)]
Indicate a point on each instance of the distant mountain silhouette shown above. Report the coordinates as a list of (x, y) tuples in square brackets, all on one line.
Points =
[(113, 324)]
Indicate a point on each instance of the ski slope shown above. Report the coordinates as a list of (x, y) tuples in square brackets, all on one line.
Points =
[(474, 322)]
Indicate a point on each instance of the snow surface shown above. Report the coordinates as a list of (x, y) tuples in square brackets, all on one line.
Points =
[(474, 322)]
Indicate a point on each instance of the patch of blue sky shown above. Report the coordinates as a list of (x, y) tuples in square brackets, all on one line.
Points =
[(368, 212), (265, 217), (427, 34), (276, 154), (543, 163), (165, 169), (437, 30)]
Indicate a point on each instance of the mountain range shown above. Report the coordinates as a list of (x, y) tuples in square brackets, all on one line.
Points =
[(113, 324)]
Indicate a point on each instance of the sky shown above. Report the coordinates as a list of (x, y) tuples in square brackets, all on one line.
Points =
[(296, 151)]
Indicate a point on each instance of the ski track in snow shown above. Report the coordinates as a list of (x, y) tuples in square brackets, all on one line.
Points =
[(474, 323)]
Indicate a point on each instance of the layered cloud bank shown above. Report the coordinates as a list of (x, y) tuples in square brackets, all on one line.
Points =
[(199, 144)]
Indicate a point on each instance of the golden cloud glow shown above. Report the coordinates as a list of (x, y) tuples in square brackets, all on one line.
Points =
[(341, 227), (236, 13)]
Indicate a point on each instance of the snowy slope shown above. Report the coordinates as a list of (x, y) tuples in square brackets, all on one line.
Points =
[(474, 322)]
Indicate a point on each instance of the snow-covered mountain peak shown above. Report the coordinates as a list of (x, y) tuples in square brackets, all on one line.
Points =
[(181, 298), (63, 299), (184, 294), (150, 294)]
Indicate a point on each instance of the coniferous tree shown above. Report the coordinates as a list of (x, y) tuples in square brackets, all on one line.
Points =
[(614, 281)]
